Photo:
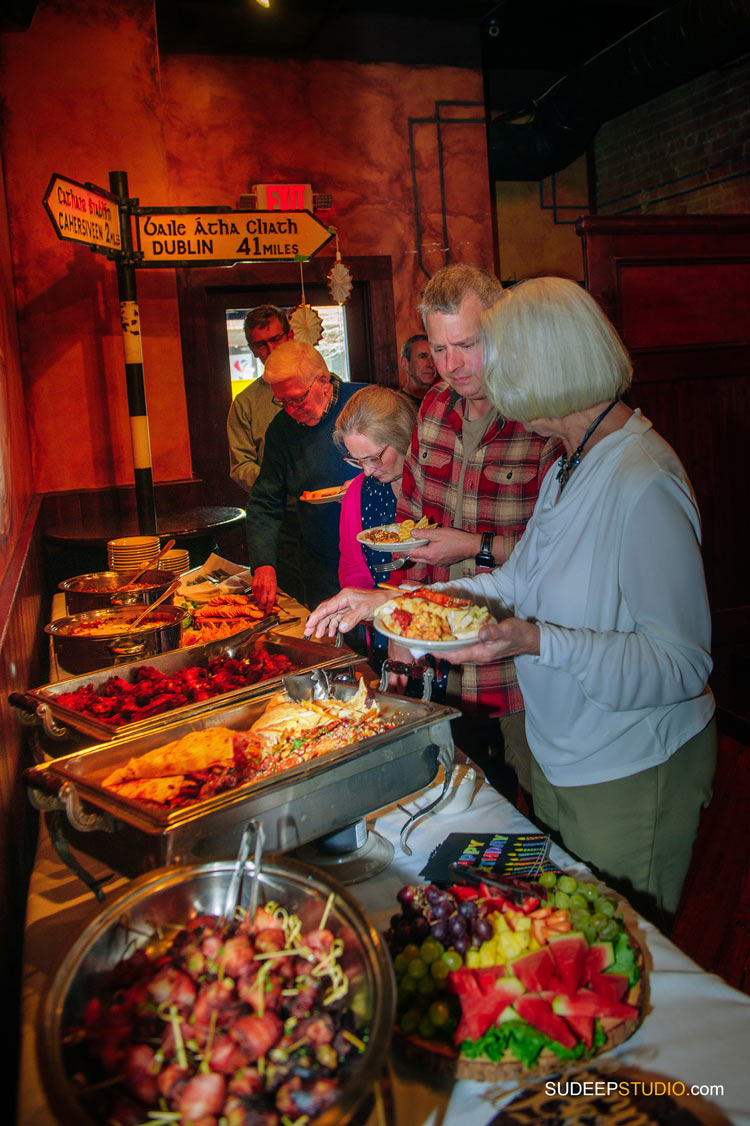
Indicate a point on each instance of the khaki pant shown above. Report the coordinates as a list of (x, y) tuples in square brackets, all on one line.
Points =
[(637, 832)]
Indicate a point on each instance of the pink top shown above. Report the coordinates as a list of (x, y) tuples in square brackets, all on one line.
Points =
[(353, 571)]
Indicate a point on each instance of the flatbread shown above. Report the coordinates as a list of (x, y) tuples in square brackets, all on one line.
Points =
[(196, 751)]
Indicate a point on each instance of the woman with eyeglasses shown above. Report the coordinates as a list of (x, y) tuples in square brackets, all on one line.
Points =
[(373, 433)]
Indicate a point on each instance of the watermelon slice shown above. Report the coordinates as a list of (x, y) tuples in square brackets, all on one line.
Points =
[(534, 969), (612, 986), (539, 1013), (600, 957), (586, 1003), (478, 1012), (464, 981), (583, 1027), (487, 976), (569, 952)]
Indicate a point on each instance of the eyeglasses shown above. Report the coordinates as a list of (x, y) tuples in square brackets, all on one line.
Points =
[(367, 462), (295, 401), (269, 343)]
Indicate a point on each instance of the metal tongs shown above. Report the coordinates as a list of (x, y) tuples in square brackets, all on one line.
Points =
[(313, 685), (513, 889), (235, 884)]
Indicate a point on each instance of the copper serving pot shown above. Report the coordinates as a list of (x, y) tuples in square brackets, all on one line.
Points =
[(81, 652), (163, 901), (103, 589)]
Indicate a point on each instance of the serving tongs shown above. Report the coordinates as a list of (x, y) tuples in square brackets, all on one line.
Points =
[(151, 565), (512, 888), (171, 589), (232, 899), (239, 645)]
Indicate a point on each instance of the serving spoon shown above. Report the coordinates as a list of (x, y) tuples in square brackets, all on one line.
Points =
[(171, 589), (151, 565)]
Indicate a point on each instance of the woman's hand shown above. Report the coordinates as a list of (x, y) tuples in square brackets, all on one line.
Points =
[(446, 546), (344, 611), (512, 637)]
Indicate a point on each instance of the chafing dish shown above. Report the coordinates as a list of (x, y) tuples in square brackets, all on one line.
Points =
[(296, 806), (101, 589), (60, 723), (83, 652), (166, 899)]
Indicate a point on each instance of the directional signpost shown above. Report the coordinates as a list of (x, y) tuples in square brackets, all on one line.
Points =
[(172, 236), (220, 238), (83, 213)]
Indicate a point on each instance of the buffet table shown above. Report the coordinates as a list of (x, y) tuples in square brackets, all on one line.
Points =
[(697, 1029)]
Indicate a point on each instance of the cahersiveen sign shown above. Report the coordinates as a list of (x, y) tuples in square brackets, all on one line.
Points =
[(183, 237)]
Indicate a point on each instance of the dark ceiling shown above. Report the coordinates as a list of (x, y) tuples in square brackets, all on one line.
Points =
[(522, 47)]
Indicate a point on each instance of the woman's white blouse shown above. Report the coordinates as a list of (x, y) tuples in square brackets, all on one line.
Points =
[(612, 574)]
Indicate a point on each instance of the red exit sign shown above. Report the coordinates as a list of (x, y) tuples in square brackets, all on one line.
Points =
[(283, 197)]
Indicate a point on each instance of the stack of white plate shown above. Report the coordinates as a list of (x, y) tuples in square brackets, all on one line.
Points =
[(176, 560), (132, 552)]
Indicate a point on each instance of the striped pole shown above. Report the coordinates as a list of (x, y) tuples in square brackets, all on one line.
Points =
[(130, 322)]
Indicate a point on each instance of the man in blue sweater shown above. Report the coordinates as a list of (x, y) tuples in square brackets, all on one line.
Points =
[(299, 456)]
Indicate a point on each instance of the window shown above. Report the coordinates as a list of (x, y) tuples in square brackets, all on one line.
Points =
[(243, 366)]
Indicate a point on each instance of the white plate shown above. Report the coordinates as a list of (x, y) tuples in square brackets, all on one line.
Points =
[(339, 496), (417, 646), (402, 545)]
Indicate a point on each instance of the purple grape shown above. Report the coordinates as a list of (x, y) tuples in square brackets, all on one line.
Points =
[(395, 920), (419, 929), (432, 893), (468, 908), (406, 895), (461, 943), (442, 908), (439, 930), (483, 929), (476, 941), (456, 925)]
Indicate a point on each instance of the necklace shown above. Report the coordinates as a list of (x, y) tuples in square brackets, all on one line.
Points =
[(568, 464)]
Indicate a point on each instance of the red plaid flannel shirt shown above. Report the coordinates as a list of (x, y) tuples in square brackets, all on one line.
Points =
[(501, 485)]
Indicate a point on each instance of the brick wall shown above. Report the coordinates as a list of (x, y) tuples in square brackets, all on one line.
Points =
[(685, 153)]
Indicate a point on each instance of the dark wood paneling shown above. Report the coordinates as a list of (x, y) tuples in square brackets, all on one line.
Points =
[(23, 611), (677, 290)]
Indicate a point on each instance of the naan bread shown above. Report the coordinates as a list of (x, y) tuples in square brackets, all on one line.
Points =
[(196, 751), (158, 790)]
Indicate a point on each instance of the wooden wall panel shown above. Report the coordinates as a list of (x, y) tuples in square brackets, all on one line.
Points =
[(677, 290)]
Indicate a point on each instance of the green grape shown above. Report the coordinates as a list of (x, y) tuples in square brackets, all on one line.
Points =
[(579, 917), (426, 985), (439, 1013), (567, 884), (426, 1028), (597, 921), (410, 951), (548, 879), (590, 891), (439, 970), (431, 950), (410, 1020), (400, 962), (407, 986), (453, 959), (416, 968), (605, 906), (578, 899), (589, 932), (562, 899), (610, 930)]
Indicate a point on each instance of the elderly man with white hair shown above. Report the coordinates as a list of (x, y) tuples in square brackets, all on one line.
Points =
[(300, 455)]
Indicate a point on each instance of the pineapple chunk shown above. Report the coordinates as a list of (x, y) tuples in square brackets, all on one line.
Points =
[(499, 923), (512, 944), (471, 959)]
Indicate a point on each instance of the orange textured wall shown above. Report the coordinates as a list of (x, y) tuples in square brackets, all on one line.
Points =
[(87, 81), (15, 466)]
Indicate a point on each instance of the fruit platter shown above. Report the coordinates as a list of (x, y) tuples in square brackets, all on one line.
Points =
[(492, 984)]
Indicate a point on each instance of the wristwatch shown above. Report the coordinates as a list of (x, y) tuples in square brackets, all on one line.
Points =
[(485, 558)]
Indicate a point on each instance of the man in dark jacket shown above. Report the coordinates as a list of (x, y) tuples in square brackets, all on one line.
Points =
[(299, 456)]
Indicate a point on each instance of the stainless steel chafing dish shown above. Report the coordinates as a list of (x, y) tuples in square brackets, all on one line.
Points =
[(60, 724), (296, 806)]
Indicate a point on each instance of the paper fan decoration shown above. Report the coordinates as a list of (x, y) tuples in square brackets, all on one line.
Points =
[(306, 324), (339, 279)]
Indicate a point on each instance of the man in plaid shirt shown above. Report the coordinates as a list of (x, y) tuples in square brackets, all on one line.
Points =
[(476, 475)]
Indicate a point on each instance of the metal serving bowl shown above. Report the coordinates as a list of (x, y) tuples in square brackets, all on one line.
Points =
[(169, 897), (80, 652), (101, 589)]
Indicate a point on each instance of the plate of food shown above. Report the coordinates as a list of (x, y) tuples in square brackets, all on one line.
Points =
[(517, 988), (431, 621), (395, 537), (324, 496)]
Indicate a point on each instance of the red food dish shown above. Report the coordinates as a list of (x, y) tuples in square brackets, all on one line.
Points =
[(152, 692)]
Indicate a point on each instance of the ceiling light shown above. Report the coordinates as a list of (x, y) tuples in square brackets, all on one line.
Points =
[(264, 3)]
